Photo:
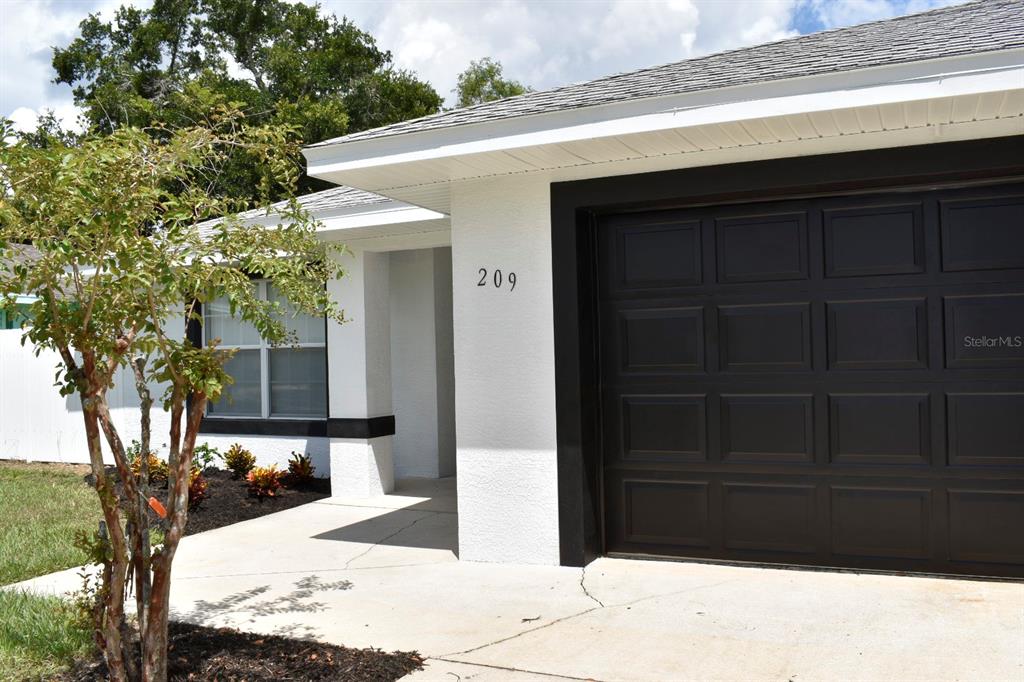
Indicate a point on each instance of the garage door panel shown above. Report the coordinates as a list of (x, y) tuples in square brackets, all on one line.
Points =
[(985, 330), (880, 428), (662, 340), (882, 522), (878, 334), (769, 517), (670, 428), (983, 234), (985, 526), (985, 429), (874, 240), (767, 428), (762, 248), (814, 396), (666, 512), (765, 337)]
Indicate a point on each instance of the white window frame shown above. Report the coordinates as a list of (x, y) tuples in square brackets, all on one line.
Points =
[(264, 348)]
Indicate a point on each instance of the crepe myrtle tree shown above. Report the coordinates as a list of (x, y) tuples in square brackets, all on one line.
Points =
[(106, 234)]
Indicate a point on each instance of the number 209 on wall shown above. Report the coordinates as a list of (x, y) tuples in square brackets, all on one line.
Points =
[(497, 279)]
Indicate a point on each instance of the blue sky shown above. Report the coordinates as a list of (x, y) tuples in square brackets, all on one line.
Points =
[(544, 43)]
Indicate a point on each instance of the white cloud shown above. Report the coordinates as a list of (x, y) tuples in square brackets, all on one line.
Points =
[(546, 44), (541, 43), (29, 29)]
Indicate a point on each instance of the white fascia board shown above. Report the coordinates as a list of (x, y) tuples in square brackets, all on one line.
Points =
[(387, 213), (988, 72)]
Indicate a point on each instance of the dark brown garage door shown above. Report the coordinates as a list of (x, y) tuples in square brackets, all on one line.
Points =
[(835, 381)]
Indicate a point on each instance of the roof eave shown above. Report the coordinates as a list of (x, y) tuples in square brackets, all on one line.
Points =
[(899, 81)]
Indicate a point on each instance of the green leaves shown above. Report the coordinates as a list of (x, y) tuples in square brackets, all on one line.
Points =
[(121, 255), (482, 81), (319, 76)]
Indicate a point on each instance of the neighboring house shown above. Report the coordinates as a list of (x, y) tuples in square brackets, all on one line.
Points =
[(740, 307)]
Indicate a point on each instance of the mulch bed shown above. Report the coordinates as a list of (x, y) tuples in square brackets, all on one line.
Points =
[(228, 500), (202, 653)]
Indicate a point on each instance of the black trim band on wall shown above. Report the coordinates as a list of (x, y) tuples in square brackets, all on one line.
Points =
[(574, 207), (372, 427)]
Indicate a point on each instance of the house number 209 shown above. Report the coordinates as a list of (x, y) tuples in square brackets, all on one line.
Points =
[(497, 279)]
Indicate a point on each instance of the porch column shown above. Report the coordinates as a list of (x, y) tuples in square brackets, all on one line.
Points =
[(360, 418)]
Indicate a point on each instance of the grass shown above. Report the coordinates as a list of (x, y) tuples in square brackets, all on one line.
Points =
[(39, 636), (41, 508)]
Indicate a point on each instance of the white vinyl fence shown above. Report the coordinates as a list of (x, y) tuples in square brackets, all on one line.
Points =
[(38, 425)]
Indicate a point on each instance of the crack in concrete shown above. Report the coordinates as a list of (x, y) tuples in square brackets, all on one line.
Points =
[(519, 634), (514, 670), (385, 539), (581, 613), (583, 586)]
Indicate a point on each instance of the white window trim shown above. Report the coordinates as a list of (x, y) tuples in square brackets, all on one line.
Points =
[(264, 348)]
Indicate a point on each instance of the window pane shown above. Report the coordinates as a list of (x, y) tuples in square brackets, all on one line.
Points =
[(298, 386), (231, 331), (242, 398), (309, 329)]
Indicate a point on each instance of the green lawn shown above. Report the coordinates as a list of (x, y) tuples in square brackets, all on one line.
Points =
[(41, 507), (39, 636)]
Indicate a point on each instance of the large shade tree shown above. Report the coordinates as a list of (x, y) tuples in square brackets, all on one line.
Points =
[(282, 62), (106, 233), (484, 81)]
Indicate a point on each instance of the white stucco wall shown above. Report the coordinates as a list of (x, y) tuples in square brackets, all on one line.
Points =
[(413, 367), (504, 371), (422, 376)]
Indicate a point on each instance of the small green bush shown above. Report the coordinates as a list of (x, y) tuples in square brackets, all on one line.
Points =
[(239, 461), (203, 456)]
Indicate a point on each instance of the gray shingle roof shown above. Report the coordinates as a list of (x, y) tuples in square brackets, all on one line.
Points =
[(980, 26), (324, 200)]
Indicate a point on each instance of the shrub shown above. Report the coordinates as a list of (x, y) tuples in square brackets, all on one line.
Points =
[(196, 489), (239, 461), (203, 456), (300, 468), (264, 481), (157, 466)]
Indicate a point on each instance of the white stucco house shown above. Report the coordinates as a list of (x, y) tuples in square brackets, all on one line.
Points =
[(763, 305)]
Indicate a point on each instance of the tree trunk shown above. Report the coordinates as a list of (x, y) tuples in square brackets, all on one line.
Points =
[(141, 547), (155, 644), (112, 624)]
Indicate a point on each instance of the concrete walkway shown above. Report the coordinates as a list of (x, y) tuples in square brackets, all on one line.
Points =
[(384, 573)]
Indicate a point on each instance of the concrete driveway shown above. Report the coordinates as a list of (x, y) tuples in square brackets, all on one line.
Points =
[(384, 573)]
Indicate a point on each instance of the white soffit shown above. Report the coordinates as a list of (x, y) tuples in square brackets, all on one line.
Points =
[(692, 129)]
